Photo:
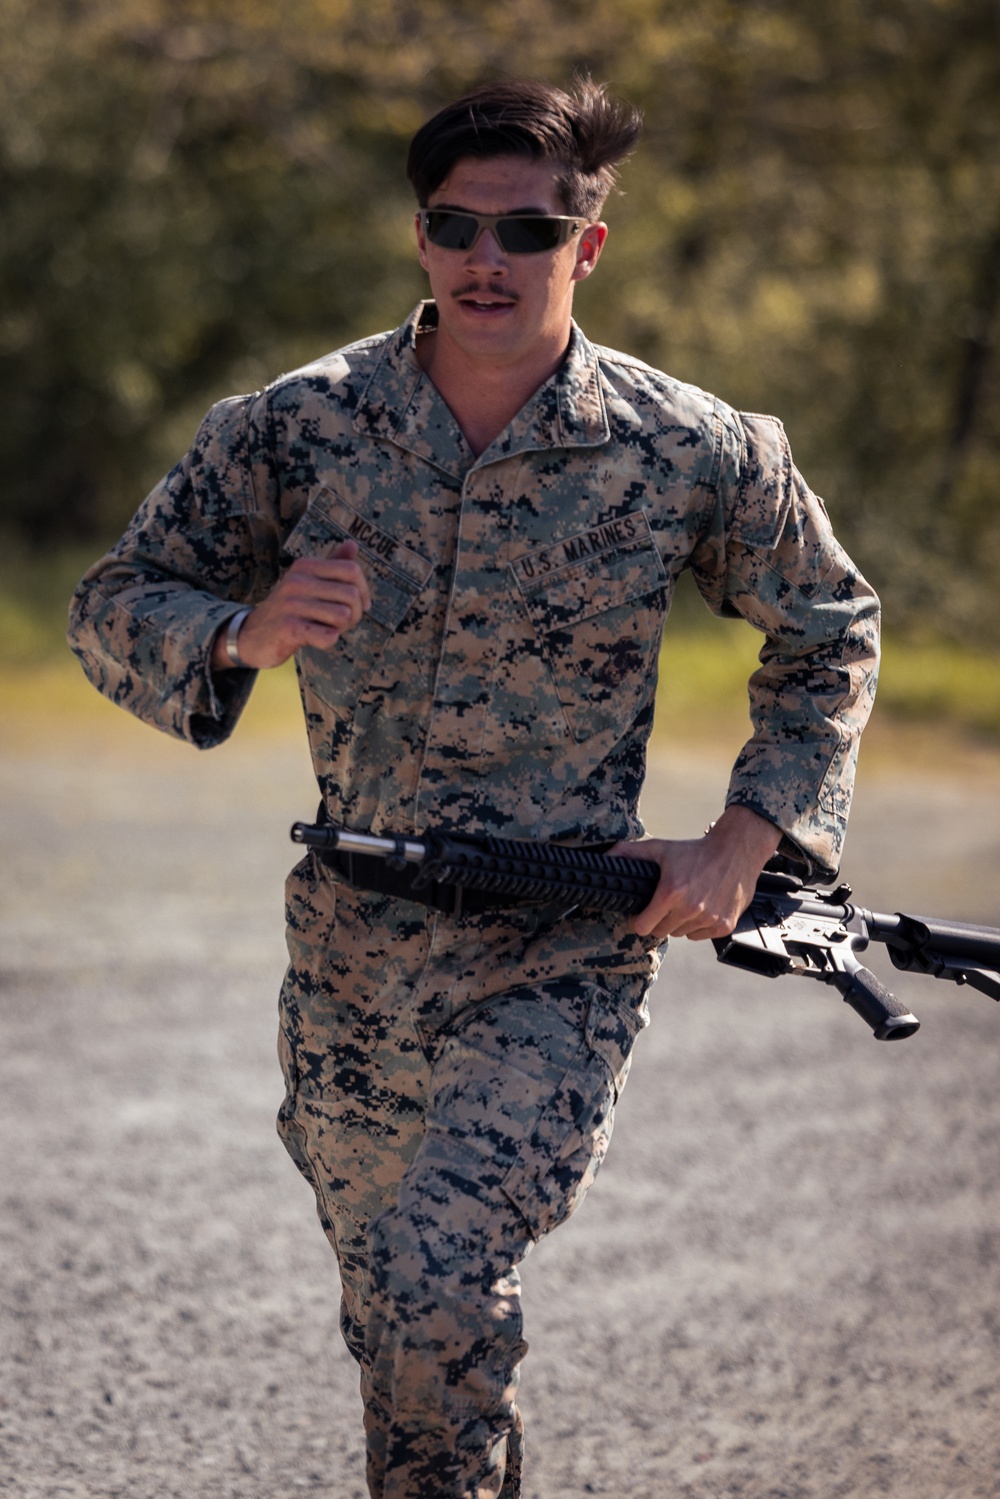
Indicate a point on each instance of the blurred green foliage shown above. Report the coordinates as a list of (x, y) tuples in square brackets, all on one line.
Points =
[(198, 195)]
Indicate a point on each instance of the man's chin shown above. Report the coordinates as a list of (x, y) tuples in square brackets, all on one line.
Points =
[(494, 335)]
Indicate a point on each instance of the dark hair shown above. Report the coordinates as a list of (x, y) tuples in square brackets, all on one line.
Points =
[(584, 135)]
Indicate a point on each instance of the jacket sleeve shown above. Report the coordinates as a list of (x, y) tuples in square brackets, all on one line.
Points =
[(144, 618), (767, 553)]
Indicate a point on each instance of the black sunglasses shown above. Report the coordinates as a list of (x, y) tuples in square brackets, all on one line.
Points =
[(516, 233)]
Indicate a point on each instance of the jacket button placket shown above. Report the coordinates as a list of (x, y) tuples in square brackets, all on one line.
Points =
[(469, 643)]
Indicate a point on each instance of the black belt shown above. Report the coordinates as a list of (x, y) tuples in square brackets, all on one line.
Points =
[(366, 872)]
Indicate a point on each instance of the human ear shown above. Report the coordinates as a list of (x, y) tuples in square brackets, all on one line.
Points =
[(421, 239), (588, 250)]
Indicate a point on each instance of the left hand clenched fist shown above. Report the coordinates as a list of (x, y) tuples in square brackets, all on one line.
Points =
[(705, 883)]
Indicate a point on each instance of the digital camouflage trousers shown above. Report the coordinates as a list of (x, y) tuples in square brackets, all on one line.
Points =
[(450, 1092)]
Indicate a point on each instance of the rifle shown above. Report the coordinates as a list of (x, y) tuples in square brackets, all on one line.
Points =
[(789, 927)]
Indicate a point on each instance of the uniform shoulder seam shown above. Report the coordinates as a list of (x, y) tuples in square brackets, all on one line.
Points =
[(630, 361), (315, 366), (657, 378)]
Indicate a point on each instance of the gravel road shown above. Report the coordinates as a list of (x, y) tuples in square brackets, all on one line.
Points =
[(785, 1283)]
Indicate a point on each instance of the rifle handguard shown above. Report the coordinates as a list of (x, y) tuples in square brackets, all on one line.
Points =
[(535, 872), (514, 870)]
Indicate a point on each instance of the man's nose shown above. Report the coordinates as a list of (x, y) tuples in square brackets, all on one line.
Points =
[(487, 253)]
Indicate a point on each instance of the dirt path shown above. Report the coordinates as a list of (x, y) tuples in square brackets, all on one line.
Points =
[(785, 1283)]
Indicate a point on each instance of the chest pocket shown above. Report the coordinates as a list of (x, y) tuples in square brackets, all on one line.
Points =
[(396, 575), (597, 603)]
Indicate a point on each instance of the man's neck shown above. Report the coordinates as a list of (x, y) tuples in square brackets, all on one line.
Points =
[(483, 397)]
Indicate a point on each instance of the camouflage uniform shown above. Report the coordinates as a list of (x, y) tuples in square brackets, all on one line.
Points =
[(451, 1083)]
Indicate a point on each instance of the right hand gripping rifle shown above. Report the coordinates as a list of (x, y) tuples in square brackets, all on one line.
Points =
[(789, 927)]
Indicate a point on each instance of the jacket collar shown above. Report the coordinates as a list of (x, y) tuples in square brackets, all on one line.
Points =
[(401, 405)]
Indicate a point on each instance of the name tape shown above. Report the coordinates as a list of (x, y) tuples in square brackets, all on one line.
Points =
[(606, 538)]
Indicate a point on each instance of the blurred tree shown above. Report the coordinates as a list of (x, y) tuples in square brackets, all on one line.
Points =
[(198, 194)]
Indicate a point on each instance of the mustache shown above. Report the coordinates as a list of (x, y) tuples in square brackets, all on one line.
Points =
[(475, 289)]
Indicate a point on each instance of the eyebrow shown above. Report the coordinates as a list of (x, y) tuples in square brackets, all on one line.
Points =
[(507, 213)]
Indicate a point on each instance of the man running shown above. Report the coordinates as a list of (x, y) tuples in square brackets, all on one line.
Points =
[(468, 532)]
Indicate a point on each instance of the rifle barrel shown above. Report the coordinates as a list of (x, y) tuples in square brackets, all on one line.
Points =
[(329, 836)]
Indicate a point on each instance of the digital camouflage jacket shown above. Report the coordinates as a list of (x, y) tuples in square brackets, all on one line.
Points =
[(504, 678)]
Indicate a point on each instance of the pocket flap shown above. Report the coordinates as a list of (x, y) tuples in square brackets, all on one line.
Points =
[(395, 573), (590, 572), (611, 1031)]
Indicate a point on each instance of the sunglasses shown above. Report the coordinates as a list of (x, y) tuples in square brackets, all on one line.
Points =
[(516, 233)]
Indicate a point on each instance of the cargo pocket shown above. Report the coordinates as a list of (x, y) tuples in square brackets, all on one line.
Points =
[(396, 575), (556, 1169), (597, 604)]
